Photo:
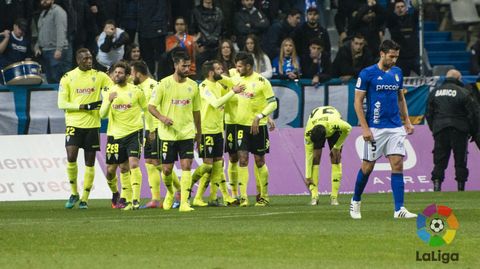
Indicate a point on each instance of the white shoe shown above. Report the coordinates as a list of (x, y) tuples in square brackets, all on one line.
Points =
[(355, 209), (333, 201), (403, 213), (314, 201)]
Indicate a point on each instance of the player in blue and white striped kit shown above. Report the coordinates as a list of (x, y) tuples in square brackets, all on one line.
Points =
[(382, 129)]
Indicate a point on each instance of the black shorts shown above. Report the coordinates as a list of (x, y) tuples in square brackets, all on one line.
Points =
[(119, 150), (171, 150), (257, 144), (231, 138), (211, 146), (331, 141), (151, 149), (86, 138)]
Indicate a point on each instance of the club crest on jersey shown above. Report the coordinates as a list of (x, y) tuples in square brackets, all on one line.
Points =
[(397, 78), (94, 78)]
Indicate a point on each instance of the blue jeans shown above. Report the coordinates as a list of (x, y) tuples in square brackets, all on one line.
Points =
[(54, 69)]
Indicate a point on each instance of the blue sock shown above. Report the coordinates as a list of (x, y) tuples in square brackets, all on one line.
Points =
[(398, 189), (362, 180)]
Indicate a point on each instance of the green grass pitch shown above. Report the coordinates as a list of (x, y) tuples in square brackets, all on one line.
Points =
[(288, 234)]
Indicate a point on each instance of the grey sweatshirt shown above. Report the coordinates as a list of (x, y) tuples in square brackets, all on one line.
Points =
[(52, 29)]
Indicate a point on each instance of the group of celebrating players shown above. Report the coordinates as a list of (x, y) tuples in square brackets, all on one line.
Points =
[(222, 113)]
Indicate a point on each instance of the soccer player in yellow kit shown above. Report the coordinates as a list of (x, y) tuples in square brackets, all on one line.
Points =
[(213, 97), (178, 102), (324, 123), (253, 107), (123, 104), (79, 95)]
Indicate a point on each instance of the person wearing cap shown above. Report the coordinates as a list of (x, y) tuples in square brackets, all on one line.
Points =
[(14, 45), (452, 114)]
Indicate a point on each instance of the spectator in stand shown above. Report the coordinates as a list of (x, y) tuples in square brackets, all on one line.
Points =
[(370, 22), (347, 9), (111, 45), (249, 20), (104, 10), (311, 29), (180, 40), (81, 25), (287, 64), (11, 10), (475, 58), (226, 55), (128, 17), (14, 45), (316, 64), (228, 8), (279, 31), (351, 58), (152, 30), (132, 53), (403, 28), (261, 62), (207, 21), (271, 8), (52, 44)]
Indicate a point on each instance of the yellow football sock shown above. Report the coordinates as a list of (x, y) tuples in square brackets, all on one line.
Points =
[(72, 172), (202, 186), (185, 186), (257, 179), (218, 177), (233, 177), (88, 182), (153, 180), (200, 171), (113, 183), (136, 183), (168, 182), (213, 191), (175, 181), (243, 181), (336, 179), (314, 187), (263, 180), (126, 186)]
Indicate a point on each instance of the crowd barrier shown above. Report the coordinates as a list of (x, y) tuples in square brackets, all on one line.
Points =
[(32, 167), (33, 109)]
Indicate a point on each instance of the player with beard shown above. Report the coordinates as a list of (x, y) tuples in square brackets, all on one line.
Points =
[(256, 103), (123, 104), (213, 96), (79, 95), (151, 153), (382, 129), (175, 102)]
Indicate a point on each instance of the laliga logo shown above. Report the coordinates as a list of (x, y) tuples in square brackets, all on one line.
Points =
[(409, 163), (437, 225)]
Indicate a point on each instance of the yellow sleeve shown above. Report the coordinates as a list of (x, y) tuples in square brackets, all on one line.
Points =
[(196, 99), (214, 101), (156, 97), (270, 97), (308, 160), (142, 101), (64, 97), (105, 107), (345, 130)]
